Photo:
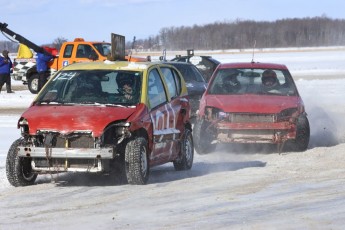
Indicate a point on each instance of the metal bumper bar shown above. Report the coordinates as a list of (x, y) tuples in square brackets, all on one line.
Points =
[(82, 153)]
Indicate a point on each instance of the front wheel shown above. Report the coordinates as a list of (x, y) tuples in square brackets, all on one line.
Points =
[(18, 169), (33, 83), (185, 160), (203, 138), (136, 161), (300, 143)]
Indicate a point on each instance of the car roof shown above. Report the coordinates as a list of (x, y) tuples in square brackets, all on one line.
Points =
[(177, 63), (111, 65), (252, 65)]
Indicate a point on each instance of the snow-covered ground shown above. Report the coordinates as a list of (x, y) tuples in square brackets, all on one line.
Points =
[(233, 188)]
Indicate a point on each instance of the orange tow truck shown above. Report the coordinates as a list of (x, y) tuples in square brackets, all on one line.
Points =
[(78, 50)]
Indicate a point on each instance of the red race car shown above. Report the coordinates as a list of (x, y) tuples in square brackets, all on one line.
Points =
[(251, 103), (115, 118)]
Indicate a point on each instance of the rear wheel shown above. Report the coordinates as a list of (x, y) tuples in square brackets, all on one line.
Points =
[(33, 83), (136, 161), (18, 169), (203, 138), (185, 161), (300, 143)]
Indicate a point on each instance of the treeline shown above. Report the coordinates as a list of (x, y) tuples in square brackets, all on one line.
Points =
[(238, 34), (241, 34)]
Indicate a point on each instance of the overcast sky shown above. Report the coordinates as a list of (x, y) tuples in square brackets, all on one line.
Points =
[(42, 21)]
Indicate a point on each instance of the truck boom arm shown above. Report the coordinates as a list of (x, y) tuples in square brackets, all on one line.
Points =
[(21, 39)]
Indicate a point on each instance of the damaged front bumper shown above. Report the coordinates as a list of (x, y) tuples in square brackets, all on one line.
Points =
[(67, 159), (274, 133)]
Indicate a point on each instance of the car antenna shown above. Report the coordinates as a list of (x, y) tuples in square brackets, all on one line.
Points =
[(253, 51)]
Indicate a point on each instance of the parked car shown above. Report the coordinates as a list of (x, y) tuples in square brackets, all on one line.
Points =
[(195, 82), (251, 103), (206, 64), (105, 118)]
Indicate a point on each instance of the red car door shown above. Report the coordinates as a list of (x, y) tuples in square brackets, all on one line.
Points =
[(162, 118)]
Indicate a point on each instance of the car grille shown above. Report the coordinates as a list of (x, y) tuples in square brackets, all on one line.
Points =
[(249, 118), (82, 140), (78, 142)]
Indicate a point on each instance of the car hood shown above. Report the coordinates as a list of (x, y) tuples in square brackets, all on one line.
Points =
[(67, 119), (253, 103)]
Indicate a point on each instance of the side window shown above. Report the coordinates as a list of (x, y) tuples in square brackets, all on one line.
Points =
[(187, 73), (281, 77), (83, 51), (68, 51), (178, 82), (156, 92), (198, 77), (170, 80)]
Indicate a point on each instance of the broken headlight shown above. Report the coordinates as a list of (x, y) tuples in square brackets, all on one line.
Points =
[(23, 124), (212, 113)]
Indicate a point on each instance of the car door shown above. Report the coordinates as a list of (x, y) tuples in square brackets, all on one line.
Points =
[(175, 109), (159, 114)]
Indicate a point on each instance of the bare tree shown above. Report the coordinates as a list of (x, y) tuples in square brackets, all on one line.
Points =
[(57, 43)]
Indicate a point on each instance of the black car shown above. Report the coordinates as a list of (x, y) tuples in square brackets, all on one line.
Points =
[(206, 64), (195, 82)]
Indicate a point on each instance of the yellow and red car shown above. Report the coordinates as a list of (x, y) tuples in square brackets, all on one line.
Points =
[(84, 121)]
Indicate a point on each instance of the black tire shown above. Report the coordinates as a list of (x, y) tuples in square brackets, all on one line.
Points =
[(185, 160), (202, 138), (33, 83), (136, 161), (18, 169), (301, 142)]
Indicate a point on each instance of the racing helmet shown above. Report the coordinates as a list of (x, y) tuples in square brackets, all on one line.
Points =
[(124, 79), (269, 78)]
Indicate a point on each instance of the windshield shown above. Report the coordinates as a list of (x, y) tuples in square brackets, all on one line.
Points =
[(107, 87), (253, 81), (103, 48)]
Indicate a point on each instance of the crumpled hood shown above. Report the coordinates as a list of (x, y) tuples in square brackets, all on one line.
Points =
[(253, 103), (66, 119)]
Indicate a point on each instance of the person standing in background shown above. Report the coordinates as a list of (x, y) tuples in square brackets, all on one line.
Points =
[(42, 68), (5, 71)]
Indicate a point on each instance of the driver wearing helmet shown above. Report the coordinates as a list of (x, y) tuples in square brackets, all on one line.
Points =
[(126, 84), (269, 80), (127, 90), (230, 83)]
